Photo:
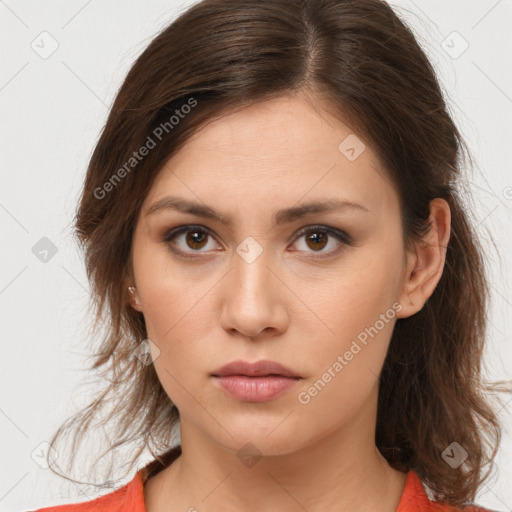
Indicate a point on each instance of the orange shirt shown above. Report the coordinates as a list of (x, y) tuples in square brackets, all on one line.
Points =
[(130, 497)]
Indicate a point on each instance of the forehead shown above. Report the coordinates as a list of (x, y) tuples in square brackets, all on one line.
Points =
[(276, 151)]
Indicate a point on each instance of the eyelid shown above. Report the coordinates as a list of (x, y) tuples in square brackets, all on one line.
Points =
[(172, 233), (340, 235)]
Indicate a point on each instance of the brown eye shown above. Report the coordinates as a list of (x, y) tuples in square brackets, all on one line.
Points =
[(319, 237), (185, 240), (317, 241), (195, 239)]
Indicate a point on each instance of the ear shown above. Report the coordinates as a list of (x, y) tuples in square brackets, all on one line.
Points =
[(130, 290), (425, 264)]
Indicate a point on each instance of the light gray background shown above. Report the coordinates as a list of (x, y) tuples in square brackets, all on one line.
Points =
[(52, 110)]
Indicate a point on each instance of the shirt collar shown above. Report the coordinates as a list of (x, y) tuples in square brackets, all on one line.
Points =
[(413, 498)]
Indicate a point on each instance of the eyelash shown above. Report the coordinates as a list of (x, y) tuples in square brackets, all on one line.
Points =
[(341, 236)]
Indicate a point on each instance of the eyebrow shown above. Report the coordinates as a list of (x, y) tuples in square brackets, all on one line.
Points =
[(286, 215)]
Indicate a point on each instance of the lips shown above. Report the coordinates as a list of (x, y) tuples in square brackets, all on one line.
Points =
[(257, 369)]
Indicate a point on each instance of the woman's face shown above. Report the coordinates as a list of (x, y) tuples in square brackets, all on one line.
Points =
[(271, 285)]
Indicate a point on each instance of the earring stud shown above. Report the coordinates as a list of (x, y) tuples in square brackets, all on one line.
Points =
[(131, 289)]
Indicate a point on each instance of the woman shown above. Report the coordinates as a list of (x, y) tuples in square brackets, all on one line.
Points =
[(273, 227)]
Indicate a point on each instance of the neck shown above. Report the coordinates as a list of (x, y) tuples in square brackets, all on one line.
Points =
[(342, 471)]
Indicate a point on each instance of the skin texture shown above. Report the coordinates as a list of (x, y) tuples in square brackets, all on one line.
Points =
[(285, 306)]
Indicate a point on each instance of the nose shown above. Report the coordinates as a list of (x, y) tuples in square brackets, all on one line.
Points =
[(254, 299)]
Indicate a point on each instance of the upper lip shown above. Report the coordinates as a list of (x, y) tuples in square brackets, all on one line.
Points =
[(257, 369)]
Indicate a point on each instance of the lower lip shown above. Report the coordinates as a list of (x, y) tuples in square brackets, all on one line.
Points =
[(256, 389)]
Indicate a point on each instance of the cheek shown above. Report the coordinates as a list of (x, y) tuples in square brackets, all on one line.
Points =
[(177, 305), (336, 395), (349, 367), (360, 294), (359, 307), (174, 320), (169, 294)]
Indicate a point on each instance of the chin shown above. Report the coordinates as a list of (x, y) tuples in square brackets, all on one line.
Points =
[(270, 439)]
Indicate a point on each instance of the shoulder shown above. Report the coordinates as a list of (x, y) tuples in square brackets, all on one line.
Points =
[(439, 507), (128, 496), (415, 499)]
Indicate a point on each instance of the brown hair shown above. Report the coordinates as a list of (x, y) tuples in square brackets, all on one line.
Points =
[(358, 60)]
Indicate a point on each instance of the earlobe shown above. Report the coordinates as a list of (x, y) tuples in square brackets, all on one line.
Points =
[(134, 298), (425, 266), (131, 292)]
